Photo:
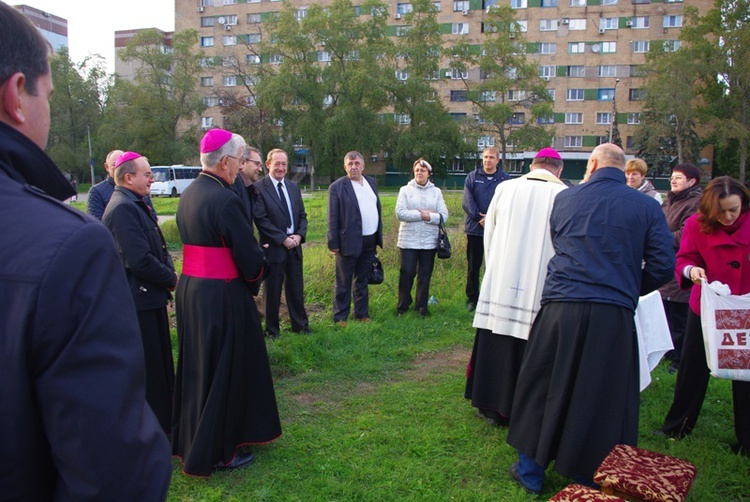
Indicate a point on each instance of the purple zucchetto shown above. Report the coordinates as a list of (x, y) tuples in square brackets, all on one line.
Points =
[(126, 157), (548, 152), (214, 139)]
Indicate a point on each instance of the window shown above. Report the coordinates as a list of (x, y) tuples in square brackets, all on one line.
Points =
[(252, 59), (517, 4), (638, 70), (609, 2), (432, 95), (672, 21), (230, 2), (460, 28), (324, 56), (608, 71), (606, 94), (576, 47), (573, 141), (300, 14), (436, 7), (456, 166), (351, 56), (578, 3), (458, 96), (404, 8), (402, 75), (250, 100), (207, 81), (460, 6), (210, 101), (634, 118), (488, 96), (253, 19), (207, 41), (576, 71), (547, 71), (551, 93), (603, 118), (609, 23), (630, 143), (545, 119), (609, 47), (640, 22), (600, 140), (485, 141), (457, 74), (403, 118), (548, 25), (231, 20), (547, 48), (253, 1), (516, 95), (574, 95), (458, 117), (250, 80), (671, 45), (640, 46), (637, 94), (518, 118), (402, 31), (549, 3), (520, 26), (229, 40), (229, 81), (577, 24), (252, 38), (207, 122), (641, 1), (573, 117), (276, 59), (433, 75), (207, 21)]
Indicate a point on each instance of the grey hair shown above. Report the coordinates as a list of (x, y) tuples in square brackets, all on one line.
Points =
[(128, 167), (354, 155), (211, 159)]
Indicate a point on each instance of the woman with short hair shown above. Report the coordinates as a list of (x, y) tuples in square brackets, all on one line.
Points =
[(635, 172)]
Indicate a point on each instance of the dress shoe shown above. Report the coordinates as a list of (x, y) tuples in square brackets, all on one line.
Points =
[(363, 319), (471, 306), (517, 478), (272, 335), (305, 331), (238, 462), (493, 418), (737, 449), (341, 324), (400, 313)]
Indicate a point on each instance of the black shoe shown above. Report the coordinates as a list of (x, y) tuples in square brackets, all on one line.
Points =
[(238, 462), (737, 449), (517, 478), (471, 306), (400, 313), (305, 331), (271, 335), (668, 435), (493, 418), (673, 368)]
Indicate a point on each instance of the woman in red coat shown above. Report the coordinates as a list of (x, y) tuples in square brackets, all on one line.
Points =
[(715, 246)]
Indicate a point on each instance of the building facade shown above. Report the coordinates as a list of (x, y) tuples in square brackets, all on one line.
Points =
[(128, 69), (54, 28)]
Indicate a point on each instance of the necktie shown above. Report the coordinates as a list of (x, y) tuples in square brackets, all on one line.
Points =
[(286, 206)]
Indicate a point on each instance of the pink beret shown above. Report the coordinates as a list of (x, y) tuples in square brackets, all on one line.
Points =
[(214, 139), (126, 157), (548, 152)]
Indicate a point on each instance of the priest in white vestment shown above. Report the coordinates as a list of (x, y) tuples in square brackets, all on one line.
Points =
[(517, 246)]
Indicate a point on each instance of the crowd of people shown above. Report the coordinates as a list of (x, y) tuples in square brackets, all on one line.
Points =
[(555, 358)]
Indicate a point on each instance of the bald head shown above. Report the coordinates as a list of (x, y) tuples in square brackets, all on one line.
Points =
[(609, 155), (109, 162)]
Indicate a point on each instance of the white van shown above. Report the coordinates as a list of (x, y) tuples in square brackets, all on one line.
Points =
[(171, 181)]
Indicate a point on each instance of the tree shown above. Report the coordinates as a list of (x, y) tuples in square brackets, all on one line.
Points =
[(722, 41), (325, 89), (509, 95), (154, 114), (76, 103)]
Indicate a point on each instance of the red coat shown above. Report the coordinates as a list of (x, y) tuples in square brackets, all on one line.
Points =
[(725, 257)]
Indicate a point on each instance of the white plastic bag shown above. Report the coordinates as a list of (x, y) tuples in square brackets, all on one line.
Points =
[(726, 331)]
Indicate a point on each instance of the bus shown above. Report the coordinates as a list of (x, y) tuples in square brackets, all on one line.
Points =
[(171, 181)]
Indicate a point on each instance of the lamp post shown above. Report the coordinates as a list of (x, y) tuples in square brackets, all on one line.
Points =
[(91, 154), (614, 109)]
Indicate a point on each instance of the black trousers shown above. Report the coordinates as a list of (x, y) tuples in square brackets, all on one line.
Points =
[(692, 383), (353, 269), (474, 258), (419, 263), (287, 273), (677, 319)]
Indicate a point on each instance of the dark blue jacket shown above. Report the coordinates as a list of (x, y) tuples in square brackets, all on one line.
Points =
[(72, 377), (602, 232), (479, 188), (148, 265), (99, 196), (344, 219)]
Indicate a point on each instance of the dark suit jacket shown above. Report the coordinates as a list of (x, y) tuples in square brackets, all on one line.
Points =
[(345, 220), (270, 217), (147, 263)]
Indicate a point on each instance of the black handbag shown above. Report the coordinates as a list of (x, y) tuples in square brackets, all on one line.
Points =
[(443, 244), (376, 275)]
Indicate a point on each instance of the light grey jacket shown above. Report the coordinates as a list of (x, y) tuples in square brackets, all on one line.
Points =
[(413, 232)]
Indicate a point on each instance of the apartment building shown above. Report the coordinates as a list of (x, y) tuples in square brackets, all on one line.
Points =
[(54, 28), (128, 69), (589, 51)]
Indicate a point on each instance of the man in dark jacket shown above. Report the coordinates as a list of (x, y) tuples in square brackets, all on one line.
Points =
[(100, 193), (479, 188), (75, 419), (150, 272), (355, 229)]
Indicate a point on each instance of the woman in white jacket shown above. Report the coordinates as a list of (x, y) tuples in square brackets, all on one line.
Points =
[(419, 208)]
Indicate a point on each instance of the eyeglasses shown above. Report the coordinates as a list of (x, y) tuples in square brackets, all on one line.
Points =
[(256, 163), (241, 160)]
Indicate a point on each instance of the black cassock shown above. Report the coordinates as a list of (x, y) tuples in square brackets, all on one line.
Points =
[(224, 395)]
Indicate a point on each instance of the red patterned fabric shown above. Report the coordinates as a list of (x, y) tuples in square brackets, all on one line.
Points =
[(645, 475), (582, 493)]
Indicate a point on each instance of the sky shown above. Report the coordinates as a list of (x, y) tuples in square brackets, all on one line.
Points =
[(92, 23)]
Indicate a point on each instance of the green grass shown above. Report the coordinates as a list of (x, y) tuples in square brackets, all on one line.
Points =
[(376, 411)]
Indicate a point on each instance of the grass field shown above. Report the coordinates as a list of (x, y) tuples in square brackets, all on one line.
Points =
[(375, 412)]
